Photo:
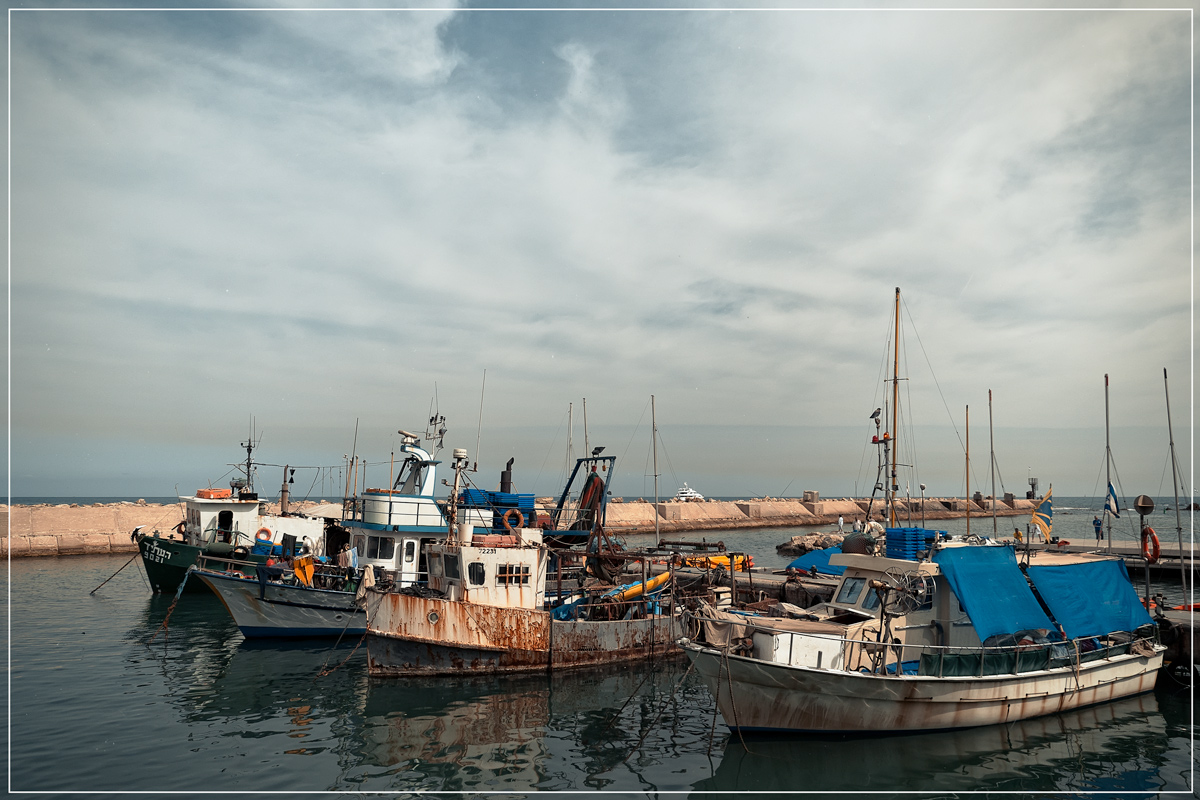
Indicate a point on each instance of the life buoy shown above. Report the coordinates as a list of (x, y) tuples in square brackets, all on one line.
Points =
[(507, 517), (263, 535), (1151, 549)]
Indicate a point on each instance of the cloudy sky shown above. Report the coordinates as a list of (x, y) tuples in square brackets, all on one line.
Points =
[(320, 219)]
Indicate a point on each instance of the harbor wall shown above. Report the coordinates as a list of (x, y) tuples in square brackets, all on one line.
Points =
[(71, 529)]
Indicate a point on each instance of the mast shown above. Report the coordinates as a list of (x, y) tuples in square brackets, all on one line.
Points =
[(654, 447), (1107, 467), (1183, 569), (586, 447), (570, 433), (895, 414), (968, 471), (992, 444)]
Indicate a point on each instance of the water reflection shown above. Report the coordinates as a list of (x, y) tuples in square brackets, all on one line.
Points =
[(1110, 746)]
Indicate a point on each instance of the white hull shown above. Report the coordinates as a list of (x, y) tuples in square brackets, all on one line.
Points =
[(769, 696), (284, 610)]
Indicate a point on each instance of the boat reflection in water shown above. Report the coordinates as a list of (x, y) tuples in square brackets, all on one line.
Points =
[(565, 730), (1109, 747)]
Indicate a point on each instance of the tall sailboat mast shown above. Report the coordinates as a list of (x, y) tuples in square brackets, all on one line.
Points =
[(893, 485), (1183, 573), (1107, 467), (968, 471), (654, 447), (992, 446)]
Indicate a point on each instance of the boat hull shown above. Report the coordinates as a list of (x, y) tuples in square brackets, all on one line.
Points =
[(166, 562), (411, 635), (773, 697), (277, 610)]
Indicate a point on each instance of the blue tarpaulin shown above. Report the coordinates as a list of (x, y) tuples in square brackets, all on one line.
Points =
[(820, 559), (991, 589), (1090, 599)]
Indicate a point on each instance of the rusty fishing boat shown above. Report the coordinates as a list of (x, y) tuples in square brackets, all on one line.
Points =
[(513, 589)]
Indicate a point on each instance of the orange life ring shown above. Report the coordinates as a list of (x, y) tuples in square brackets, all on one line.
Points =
[(520, 519), (1151, 549), (263, 535)]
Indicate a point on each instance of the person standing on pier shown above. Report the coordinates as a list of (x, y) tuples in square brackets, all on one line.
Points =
[(840, 521), (1099, 531)]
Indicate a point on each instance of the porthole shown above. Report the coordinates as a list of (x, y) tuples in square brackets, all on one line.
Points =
[(433, 618)]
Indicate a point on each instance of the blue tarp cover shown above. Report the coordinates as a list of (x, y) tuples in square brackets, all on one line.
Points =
[(1090, 599), (992, 589), (819, 558)]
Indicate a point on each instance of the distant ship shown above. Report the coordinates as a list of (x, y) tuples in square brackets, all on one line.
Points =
[(688, 493)]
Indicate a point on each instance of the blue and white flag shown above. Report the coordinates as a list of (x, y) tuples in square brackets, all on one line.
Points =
[(1110, 503)]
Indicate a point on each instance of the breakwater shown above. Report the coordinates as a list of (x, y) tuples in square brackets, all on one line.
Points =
[(677, 516), (73, 529)]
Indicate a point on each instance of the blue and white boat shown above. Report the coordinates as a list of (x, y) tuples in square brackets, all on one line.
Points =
[(383, 534)]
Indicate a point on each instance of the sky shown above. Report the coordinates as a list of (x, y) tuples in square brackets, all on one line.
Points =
[(329, 224)]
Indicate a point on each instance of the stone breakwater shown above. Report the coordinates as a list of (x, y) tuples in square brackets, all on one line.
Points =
[(71, 529), (675, 516)]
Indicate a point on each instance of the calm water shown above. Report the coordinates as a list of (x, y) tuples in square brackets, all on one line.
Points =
[(95, 708)]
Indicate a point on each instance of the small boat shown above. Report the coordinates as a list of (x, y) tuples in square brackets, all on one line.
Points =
[(688, 493), (225, 523), (280, 601), (953, 642), (509, 597), (934, 634), (385, 531)]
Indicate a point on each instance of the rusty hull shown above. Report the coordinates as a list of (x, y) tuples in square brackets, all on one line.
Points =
[(409, 635), (776, 697)]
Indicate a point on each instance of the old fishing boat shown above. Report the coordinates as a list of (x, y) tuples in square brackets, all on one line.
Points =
[(300, 599), (952, 641), (228, 523), (385, 530), (935, 634), (510, 596)]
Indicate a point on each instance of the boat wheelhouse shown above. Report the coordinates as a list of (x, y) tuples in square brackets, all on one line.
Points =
[(390, 528)]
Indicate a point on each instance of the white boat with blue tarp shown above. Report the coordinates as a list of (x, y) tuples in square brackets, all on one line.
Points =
[(963, 638)]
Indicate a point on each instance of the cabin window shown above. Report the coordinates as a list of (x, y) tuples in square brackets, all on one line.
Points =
[(435, 564), (381, 547), (512, 574), (871, 601), (453, 568), (410, 551), (476, 572), (851, 589)]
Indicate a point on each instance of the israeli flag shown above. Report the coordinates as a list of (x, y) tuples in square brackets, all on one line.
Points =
[(1110, 503)]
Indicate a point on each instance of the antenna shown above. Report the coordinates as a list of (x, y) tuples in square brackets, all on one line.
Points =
[(436, 429), (479, 430)]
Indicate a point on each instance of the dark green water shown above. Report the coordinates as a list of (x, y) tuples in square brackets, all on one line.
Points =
[(95, 708)]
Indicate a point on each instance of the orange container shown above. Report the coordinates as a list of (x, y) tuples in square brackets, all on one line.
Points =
[(213, 494)]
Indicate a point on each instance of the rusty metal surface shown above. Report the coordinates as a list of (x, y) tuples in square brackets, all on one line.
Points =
[(458, 624), (767, 696), (411, 635)]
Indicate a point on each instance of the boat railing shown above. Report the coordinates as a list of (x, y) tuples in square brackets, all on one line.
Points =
[(831, 651)]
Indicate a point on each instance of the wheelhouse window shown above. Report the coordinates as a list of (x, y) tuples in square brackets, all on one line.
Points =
[(851, 589), (381, 547), (512, 574), (410, 552), (476, 573), (453, 567)]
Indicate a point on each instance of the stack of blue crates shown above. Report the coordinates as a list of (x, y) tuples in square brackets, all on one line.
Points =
[(907, 543), (500, 503)]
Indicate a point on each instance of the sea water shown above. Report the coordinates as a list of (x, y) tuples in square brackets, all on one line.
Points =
[(102, 697)]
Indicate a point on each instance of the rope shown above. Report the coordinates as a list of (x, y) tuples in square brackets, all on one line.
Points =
[(325, 672), (166, 619), (733, 702)]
